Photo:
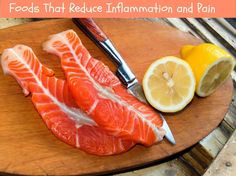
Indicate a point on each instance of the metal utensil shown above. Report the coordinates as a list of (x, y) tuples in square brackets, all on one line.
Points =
[(89, 27)]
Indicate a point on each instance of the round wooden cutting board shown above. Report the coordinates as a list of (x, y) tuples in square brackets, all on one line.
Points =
[(28, 147)]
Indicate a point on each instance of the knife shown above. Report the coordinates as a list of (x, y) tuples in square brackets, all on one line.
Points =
[(90, 28)]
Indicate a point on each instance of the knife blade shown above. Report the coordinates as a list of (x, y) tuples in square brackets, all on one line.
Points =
[(124, 73)]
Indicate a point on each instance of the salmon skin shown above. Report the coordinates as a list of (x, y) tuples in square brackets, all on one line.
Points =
[(100, 94), (54, 102)]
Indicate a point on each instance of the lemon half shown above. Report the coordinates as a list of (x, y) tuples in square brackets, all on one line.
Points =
[(169, 84), (211, 66)]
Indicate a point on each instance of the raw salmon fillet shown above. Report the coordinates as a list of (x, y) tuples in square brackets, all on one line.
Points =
[(52, 98), (99, 93)]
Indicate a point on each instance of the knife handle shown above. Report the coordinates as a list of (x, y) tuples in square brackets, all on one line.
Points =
[(89, 27)]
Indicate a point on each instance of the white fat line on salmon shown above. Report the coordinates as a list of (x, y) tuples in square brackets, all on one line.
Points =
[(76, 115), (107, 93), (120, 145), (93, 107), (77, 144), (47, 112)]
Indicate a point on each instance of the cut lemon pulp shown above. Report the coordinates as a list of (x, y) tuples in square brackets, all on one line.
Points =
[(169, 84), (211, 66)]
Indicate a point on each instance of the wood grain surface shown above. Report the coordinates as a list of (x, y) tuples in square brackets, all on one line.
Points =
[(225, 163), (28, 147)]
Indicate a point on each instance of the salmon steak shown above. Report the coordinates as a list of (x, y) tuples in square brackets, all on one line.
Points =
[(99, 93), (53, 100)]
